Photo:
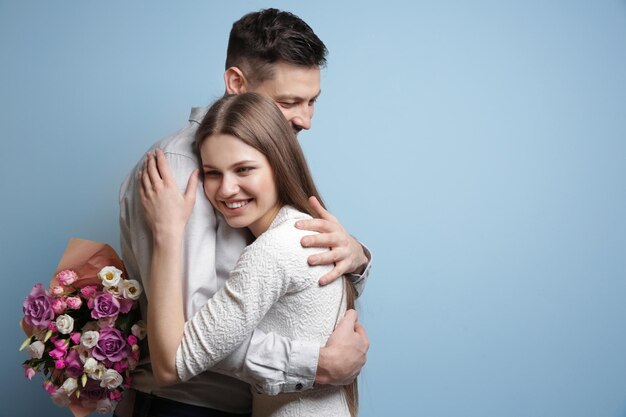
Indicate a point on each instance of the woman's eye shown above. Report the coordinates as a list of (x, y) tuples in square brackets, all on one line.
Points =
[(211, 173), (244, 170)]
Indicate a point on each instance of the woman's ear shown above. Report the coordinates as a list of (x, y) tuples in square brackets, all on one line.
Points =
[(235, 81)]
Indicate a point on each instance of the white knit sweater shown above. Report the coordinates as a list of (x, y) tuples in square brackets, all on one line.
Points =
[(273, 288)]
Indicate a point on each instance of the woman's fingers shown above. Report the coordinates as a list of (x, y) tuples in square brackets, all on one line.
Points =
[(146, 184), (152, 170), (163, 167)]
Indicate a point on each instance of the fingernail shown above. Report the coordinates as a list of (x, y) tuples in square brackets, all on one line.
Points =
[(299, 225), (313, 260)]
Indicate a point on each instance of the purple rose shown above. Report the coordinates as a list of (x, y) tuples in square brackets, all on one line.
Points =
[(104, 305), (38, 307), (111, 345)]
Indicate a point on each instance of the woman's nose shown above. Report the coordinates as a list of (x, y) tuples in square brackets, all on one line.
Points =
[(229, 186)]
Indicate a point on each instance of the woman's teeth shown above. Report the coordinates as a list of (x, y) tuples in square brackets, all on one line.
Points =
[(236, 204)]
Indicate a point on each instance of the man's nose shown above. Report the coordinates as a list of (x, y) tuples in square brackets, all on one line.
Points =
[(302, 118)]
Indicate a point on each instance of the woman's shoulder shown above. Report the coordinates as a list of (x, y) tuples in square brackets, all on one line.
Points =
[(280, 244), (284, 225)]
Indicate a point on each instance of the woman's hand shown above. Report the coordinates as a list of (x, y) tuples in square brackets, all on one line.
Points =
[(167, 209), (346, 254)]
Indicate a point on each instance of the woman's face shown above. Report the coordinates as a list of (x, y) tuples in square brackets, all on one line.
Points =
[(239, 182)]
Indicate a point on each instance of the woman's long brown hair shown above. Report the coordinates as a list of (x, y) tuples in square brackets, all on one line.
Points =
[(258, 122)]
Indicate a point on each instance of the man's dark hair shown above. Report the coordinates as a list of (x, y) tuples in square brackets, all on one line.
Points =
[(260, 39)]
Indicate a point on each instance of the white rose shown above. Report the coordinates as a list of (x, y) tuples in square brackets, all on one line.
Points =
[(90, 366), (69, 386), (114, 289), (110, 276), (139, 330), (104, 406), (131, 289), (83, 353), (65, 324), (89, 339), (35, 349), (111, 379), (93, 369)]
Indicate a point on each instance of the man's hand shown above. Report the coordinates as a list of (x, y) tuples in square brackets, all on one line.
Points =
[(346, 253), (345, 352)]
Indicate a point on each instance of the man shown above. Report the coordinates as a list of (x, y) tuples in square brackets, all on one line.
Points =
[(276, 54)]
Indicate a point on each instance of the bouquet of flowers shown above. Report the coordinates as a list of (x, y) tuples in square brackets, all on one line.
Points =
[(83, 331)]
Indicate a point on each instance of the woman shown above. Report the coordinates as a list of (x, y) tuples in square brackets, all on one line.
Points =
[(256, 176)]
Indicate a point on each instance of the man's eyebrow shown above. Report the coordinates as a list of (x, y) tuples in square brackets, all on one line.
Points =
[(296, 97)]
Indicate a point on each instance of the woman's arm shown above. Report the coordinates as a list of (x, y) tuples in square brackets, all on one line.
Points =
[(167, 211), (223, 323)]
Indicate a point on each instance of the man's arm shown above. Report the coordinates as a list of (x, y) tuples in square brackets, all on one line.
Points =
[(274, 364), (345, 352), (349, 257)]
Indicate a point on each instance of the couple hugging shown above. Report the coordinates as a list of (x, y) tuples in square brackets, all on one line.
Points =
[(246, 314)]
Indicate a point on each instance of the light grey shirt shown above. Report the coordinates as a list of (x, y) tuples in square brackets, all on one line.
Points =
[(269, 362)]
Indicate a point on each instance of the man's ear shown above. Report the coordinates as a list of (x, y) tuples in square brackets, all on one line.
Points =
[(235, 81)]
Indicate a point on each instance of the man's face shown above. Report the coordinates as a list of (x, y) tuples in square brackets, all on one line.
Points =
[(294, 89)]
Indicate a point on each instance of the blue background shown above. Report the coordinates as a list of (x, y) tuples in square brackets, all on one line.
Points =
[(478, 148)]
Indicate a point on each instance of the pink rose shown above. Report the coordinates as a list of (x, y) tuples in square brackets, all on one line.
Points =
[(67, 277), (132, 340), (115, 395), (49, 387), (120, 366), (57, 290), (74, 302), (88, 291), (60, 344), (59, 306), (29, 372), (57, 353), (126, 305), (75, 337), (59, 364)]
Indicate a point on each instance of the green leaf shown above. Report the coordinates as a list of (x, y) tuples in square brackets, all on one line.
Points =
[(26, 342)]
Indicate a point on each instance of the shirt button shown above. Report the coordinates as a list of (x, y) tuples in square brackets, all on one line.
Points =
[(298, 386)]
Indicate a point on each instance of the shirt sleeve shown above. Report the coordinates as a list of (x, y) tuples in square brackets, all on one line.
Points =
[(198, 244), (272, 364), (359, 280)]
